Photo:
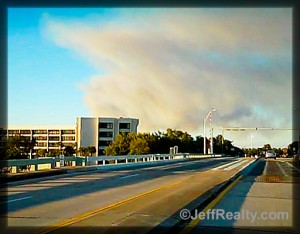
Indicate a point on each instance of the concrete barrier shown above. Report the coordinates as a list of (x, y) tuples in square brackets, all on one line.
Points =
[(21, 165)]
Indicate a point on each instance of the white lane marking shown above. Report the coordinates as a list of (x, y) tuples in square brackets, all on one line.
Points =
[(281, 169), (124, 177), (225, 165), (18, 199), (292, 166), (265, 169), (235, 165), (175, 165), (246, 165)]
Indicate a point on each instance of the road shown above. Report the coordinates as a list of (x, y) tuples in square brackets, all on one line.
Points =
[(138, 197), (263, 201)]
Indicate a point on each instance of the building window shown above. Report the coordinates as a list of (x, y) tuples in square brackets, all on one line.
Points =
[(3, 138), (41, 144), (40, 138), (26, 138), (68, 138), (53, 138), (3, 132), (54, 144), (13, 131), (54, 132), (104, 143), (25, 131), (105, 134), (67, 144), (106, 125), (124, 126), (68, 131), (39, 131)]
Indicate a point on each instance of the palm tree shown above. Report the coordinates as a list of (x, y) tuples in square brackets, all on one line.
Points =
[(91, 150), (82, 151), (69, 151)]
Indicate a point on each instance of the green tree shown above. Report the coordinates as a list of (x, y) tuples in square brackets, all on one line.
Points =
[(251, 152), (69, 151), (18, 147), (82, 151), (41, 152), (154, 141), (14, 153), (160, 142), (138, 146), (278, 151), (121, 145), (267, 147), (293, 148), (54, 153), (91, 150), (198, 144)]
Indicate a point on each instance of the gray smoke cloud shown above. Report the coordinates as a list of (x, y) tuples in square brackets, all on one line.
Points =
[(169, 67)]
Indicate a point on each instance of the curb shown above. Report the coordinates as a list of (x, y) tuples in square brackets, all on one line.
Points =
[(200, 203)]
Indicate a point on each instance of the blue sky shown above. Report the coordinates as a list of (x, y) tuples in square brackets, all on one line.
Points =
[(167, 67), (42, 77)]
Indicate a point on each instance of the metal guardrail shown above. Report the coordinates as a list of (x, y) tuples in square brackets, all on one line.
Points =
[(132, 158), (18, 165)]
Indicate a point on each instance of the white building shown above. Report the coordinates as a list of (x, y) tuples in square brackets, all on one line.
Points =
[(100, 132), (97, 131)]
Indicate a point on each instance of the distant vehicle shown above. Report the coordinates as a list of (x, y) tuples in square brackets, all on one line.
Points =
[(271, 154)]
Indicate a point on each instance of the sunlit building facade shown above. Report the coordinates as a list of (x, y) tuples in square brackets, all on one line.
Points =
[(46, 138), (88, 131), (100, 132)]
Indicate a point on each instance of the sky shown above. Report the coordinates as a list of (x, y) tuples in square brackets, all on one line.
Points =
[(168, 67)]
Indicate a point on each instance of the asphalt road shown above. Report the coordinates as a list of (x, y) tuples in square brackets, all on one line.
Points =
[(137, 197), (264, 201)]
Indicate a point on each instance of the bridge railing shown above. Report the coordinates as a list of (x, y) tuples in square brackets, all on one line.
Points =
[(19, 165)]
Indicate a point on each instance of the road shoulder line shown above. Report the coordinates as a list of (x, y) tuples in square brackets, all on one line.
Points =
[(188, 228)]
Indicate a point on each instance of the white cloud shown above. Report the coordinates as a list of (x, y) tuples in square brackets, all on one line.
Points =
[(169, 67)]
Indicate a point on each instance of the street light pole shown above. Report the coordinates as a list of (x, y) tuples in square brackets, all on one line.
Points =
[(212, 141), (204, 137), (204, 133)]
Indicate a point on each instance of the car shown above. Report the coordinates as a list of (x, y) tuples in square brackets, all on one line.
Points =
[(271, 154)]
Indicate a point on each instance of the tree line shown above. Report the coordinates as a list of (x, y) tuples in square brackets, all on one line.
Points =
[(160, 143)]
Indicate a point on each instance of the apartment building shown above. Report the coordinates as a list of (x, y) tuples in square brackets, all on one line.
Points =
[(88, 131), (48, 138), (100, 132)]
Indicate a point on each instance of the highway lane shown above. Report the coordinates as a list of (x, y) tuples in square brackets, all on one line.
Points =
[(44, 202), (263, 202)]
